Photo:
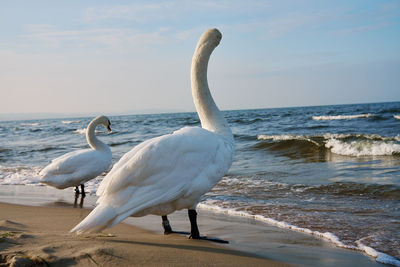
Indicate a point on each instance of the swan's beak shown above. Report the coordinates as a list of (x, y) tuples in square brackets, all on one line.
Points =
[(109, 129)]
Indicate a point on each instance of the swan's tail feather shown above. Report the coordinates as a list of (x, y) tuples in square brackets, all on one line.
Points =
[(99, 219)]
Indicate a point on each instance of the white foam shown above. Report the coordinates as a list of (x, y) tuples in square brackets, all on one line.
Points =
[(379, 256), (83, 131), (92, 185), (396, 116), (30, 176), (19, 176), (69, 122), (80, 131), (341, 117), (285, 137), (209, 205), (361, 136), (362, 148), (30, 124)]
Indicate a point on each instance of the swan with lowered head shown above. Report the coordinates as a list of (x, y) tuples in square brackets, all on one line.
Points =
[(170, 172), (77, 167)]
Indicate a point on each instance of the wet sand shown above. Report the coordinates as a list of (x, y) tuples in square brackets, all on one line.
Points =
[(41, 234)]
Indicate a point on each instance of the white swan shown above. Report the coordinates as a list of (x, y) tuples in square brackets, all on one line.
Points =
[(76, 168), (170, 172)]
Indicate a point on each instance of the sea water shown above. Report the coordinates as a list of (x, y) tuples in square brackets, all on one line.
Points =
[(330, 171)]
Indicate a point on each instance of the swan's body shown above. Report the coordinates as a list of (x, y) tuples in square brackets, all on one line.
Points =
[(170, 172), (77, 167)]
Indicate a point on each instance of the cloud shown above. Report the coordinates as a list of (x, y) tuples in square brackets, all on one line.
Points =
[(51, 36)]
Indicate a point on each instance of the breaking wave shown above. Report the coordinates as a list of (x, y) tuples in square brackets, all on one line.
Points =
[(30, 124), (341, 117), (83, 131), (357, 145), (80, 131), (70, 122), (363, 148)]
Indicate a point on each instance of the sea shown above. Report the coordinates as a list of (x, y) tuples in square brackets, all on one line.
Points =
[(328, 171)]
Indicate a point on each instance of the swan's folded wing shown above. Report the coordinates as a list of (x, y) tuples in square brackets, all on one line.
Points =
[(78, 164), (185, 158)]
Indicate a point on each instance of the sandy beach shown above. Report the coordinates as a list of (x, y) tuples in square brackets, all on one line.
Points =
[(35, 223), (39, 236)]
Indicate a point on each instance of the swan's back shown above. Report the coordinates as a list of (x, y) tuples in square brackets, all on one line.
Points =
[(75, 168)]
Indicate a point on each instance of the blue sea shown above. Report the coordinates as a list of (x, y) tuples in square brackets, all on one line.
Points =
[(330, 171)]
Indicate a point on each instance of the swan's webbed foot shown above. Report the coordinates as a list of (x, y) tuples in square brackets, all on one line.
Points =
[(194, 232), (167, 227), (83, 191)]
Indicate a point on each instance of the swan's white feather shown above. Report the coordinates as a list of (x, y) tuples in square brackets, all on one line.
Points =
[(75, 168), (161, 175)]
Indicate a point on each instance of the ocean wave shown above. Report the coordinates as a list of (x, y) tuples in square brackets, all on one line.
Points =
[(19, 175), (396, 116), (379, 256), (83, 131), (30, 124), (121, 143), (23, 175), (70, 122), (246, 121), (375, 137), (341, 117), (383, 191), (356, 145), (287, 137), (80, 131), (363, 148)]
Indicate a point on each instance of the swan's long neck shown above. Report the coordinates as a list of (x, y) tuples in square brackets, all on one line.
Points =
[(210, 116), (91, 138)]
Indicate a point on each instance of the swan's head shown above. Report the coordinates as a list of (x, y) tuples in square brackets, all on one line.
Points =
[(104, 121), (210, 38)]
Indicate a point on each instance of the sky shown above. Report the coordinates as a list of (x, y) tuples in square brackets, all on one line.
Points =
[(127, 57)]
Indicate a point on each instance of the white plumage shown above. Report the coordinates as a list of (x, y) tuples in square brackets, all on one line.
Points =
[(78, 167), (170, 172)]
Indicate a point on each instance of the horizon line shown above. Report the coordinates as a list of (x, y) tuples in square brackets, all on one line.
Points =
[(15, 116)]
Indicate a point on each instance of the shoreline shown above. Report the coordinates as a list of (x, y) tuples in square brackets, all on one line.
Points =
[(260, 240)]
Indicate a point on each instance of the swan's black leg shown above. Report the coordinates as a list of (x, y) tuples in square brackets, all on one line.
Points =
[(194, 232), (83, 190), (167, 227), (77, 190), (81, 202), (76, 200)]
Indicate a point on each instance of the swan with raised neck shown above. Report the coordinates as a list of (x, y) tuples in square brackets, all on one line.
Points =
[(210, 116), (91, 138), (170, 172)]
